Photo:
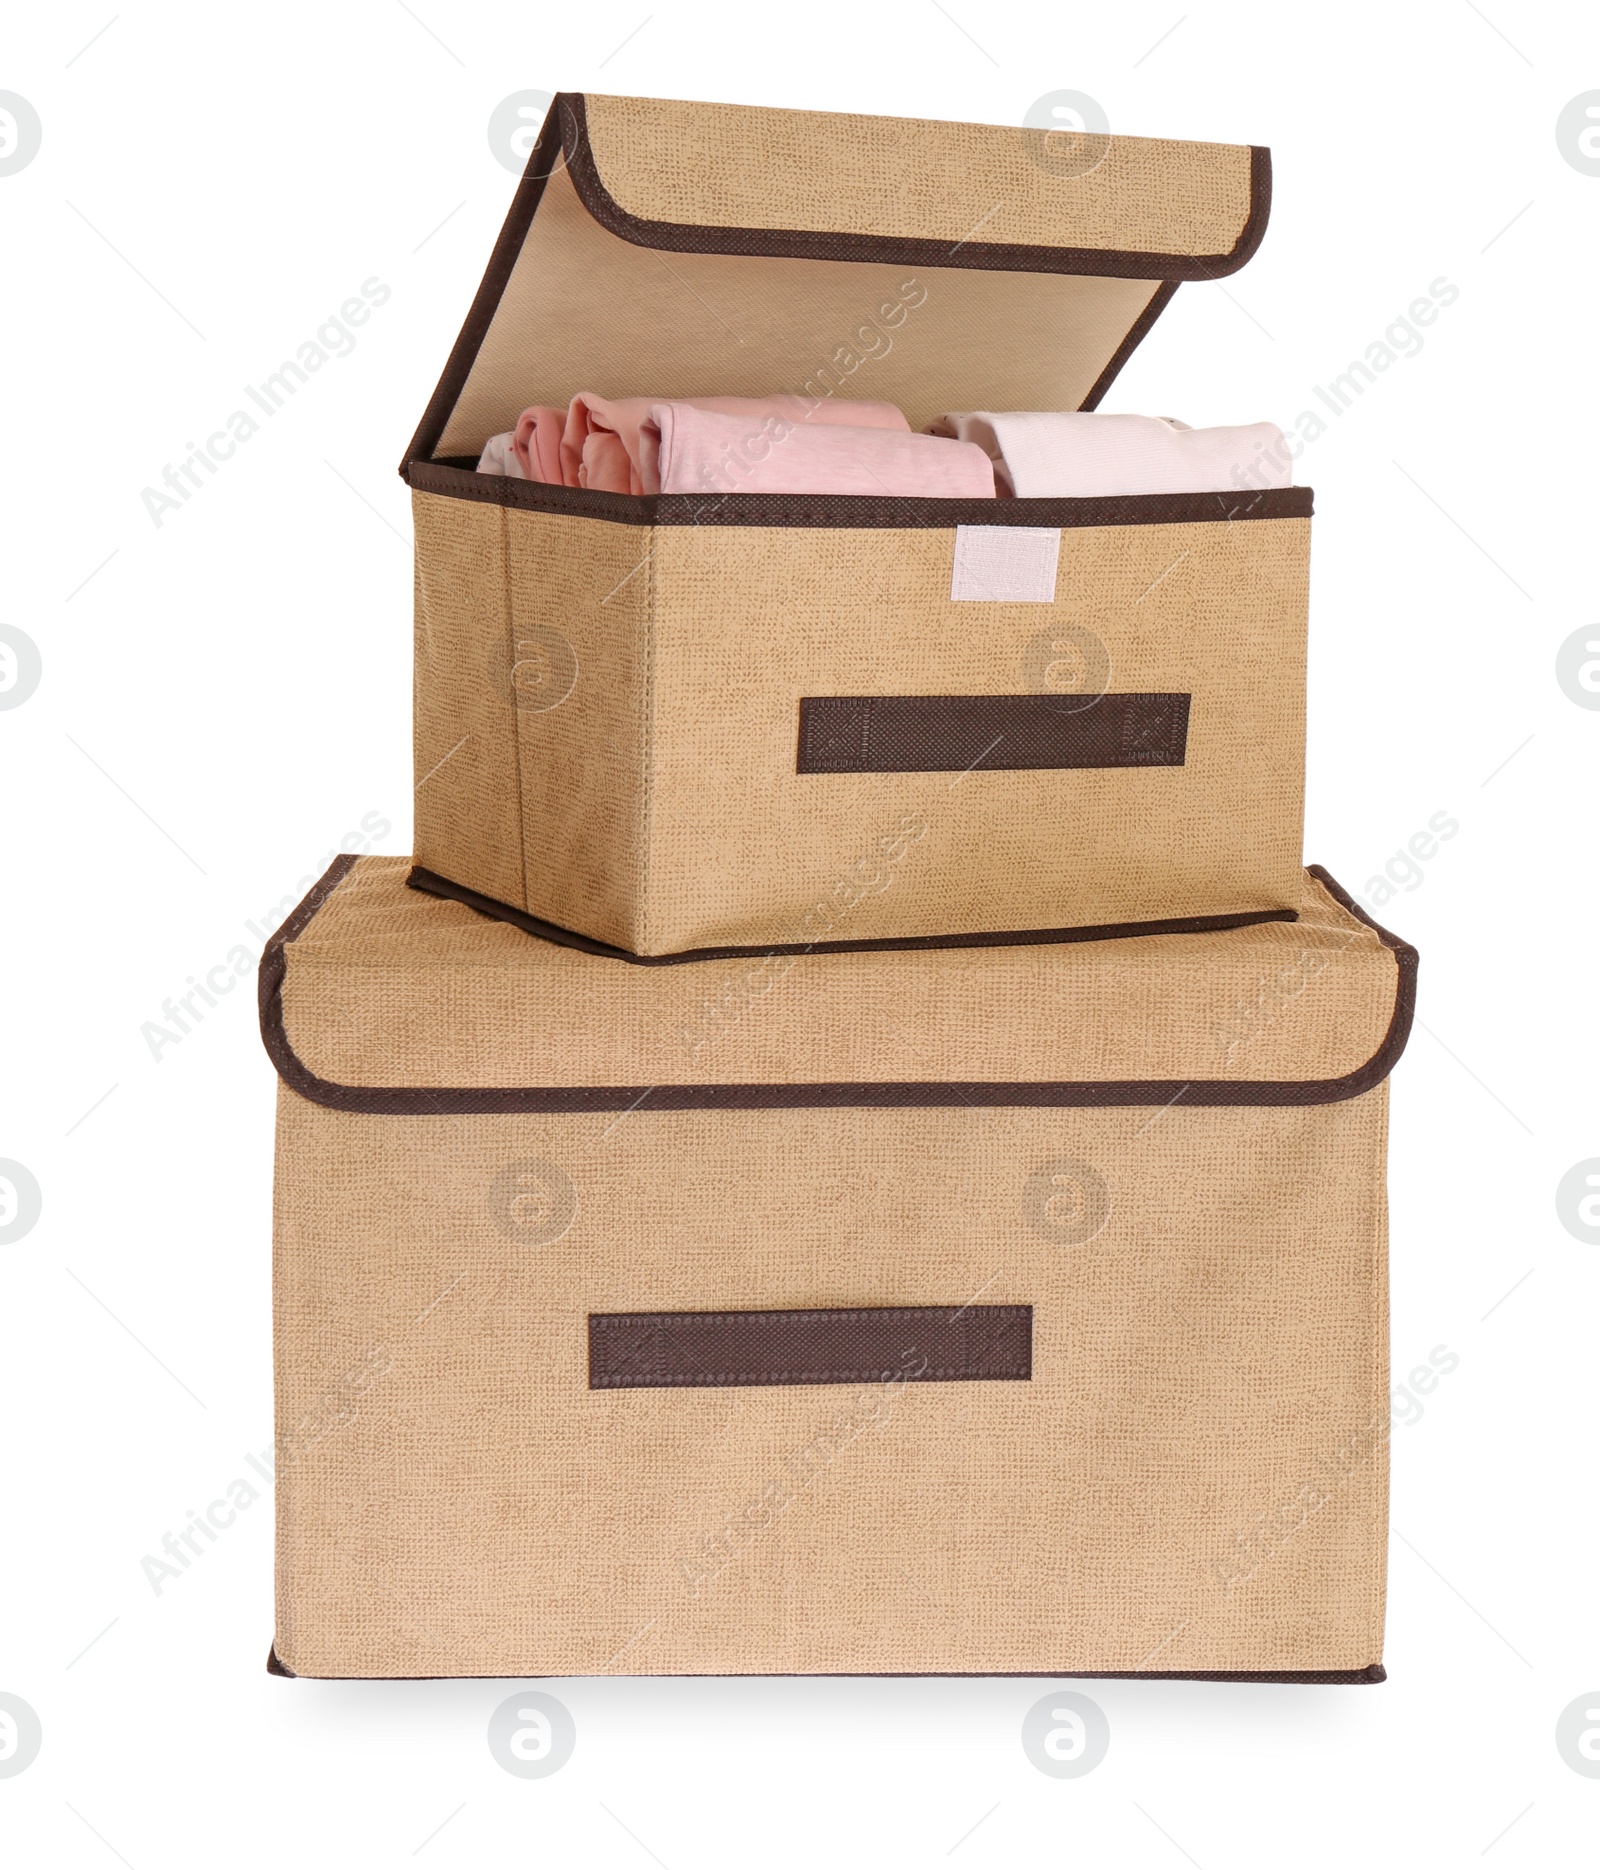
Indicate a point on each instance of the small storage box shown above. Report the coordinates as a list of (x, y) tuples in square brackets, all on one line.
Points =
[(987, 1309), (675, 725)]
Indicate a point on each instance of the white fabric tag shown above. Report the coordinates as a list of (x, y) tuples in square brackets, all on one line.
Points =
[(1005, 564)]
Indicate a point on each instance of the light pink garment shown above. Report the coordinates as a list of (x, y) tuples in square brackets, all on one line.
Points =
[(1075, 455), (703, 452), (537, 442), (500, 457), (611, 444)]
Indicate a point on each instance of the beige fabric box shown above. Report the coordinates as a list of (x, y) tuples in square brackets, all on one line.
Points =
[(985, 1309), (679, 725)]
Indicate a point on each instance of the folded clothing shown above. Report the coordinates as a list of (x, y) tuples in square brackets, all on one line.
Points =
[(500, 457), (537, 442), (613, 444), (699, 450), (530, 451), (735, 444), (1078, 455), (790, 444)]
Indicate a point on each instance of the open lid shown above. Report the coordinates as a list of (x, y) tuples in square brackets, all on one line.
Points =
[(377, 998), (677, 249)]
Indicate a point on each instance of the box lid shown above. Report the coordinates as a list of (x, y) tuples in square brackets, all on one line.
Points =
[(377, 998), (670, 248)]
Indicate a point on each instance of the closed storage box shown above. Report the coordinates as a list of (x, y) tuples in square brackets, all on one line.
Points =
[(678, 724), (986, 1309)]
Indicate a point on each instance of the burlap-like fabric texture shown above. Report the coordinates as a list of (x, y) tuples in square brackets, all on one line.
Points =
[(463, 727), (391, 987), (1193, 1478), (730, 165), (625, 320), (917, 321), (655, 802)]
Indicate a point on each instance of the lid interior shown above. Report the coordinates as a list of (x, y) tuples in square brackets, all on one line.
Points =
[(813, 255)]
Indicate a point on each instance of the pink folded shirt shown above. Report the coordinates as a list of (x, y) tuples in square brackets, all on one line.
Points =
[(1072, 455), (613, 444), (735, 444), (699, 450), (537, 442), (530, 451)]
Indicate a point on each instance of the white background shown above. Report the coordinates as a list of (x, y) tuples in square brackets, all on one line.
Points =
[(225, 697)]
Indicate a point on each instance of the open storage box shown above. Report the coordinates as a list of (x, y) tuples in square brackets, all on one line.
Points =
[(678, 725)]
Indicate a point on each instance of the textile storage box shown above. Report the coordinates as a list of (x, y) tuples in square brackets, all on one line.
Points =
[(979, 1309), (672, 724)]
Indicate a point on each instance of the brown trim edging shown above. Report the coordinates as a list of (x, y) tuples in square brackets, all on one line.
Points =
[(848, 1344), (1138, 331), (473, 1100), (1373, 1673), (432, 884), (860, 511), (542, 163), (976, 255), (563, 140)]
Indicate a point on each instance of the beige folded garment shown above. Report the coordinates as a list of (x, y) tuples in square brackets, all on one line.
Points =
[(1042, 455)]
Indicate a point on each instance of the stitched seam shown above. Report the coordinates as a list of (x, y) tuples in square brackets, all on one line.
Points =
[(1380, 1397), (620, 1321), (510, 625), (709, 1379), (893, 512), (447, 1100), (646, 733), (604, 1321), (639, 1376), (1148, 729), (594, 192)]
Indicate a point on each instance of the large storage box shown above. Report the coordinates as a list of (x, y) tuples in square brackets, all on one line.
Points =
[(980, 1309), (673, 724)]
